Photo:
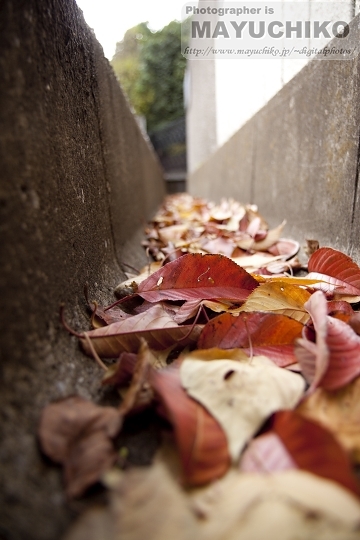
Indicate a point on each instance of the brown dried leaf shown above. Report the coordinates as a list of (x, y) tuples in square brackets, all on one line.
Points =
[(78, 434), (155, 325)]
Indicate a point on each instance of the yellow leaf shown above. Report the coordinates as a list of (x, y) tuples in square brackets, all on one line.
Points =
[(278, 297)]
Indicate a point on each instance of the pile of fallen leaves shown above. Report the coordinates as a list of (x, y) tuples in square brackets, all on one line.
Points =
[(251, 358)]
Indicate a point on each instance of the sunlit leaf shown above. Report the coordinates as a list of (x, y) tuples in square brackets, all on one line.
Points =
[(249, 330), (278, 297)]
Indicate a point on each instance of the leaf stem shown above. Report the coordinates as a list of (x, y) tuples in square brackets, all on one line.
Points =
[(65, 324), (94, 353)]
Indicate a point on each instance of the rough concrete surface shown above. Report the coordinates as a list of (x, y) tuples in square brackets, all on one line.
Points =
[(298, 156), (77, 183)]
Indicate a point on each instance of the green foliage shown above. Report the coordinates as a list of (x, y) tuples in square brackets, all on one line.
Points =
[(150, 68)]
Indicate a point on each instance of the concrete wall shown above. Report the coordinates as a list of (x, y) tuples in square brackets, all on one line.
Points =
[(78, 181), (297, 158)]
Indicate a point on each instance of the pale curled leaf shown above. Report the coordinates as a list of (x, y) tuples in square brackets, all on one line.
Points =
[(285, 246), (255, 261), (271, 238), (241, 396), (314, 358), (334, 360)]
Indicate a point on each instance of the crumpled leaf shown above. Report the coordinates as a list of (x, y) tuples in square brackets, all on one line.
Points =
[(190, 309), (241, 395), (337, 269), (224, 246), (309, 446), (314, 358), (148, 503), (140, 376), (196, 276), (285, 246), (201, 441), (256, 261), (340, 310), (260, 333), (334, 360), (120, 374), (101, 317), (339, 412), (280, 298), (78, 434), (155, 325), (271, 238)]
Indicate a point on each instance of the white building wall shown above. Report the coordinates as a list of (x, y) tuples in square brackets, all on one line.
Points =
[(242, 87)]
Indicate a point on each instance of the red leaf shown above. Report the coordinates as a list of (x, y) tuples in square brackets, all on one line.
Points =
[(334, 360), (249, 329), (196, 276), (295, 442), (201, 441), (281, 355), (345, 274), (314, 448), (340, 310)]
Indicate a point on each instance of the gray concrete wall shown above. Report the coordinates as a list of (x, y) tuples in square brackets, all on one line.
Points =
[(78, 181), (298, 157)]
